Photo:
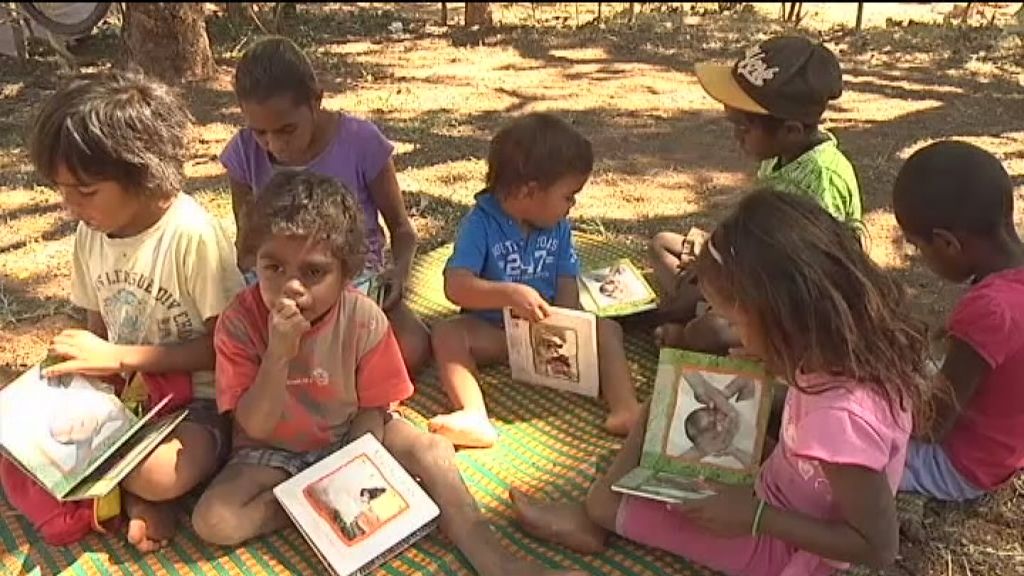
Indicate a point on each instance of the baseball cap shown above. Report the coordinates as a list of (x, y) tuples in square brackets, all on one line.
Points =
[(789, 77)]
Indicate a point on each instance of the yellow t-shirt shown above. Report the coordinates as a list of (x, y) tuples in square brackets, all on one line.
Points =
[(159, 286)]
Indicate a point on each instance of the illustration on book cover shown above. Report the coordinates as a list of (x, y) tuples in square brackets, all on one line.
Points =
[(716, 419), (355, 500)]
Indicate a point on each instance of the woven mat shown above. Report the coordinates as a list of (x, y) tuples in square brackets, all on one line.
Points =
[(551, 444)]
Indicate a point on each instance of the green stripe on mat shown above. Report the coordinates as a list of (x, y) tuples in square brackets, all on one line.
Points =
[(550, 443)]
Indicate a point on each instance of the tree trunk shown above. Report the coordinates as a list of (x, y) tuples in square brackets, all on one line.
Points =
[(632, 12), (168, 40), (444, 14), (860, 16), (479, 14)]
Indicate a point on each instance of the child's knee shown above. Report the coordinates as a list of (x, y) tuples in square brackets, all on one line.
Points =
[(665, 243), (217, 521), (433, 450), (709, 334)]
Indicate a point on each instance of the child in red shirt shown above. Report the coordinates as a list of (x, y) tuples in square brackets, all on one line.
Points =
[(306, 363), (954, 202)]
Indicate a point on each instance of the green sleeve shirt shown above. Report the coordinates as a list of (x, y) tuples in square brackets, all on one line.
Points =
[(822, 173)]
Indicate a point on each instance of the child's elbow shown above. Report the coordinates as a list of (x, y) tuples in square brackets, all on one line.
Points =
[(453, 289)]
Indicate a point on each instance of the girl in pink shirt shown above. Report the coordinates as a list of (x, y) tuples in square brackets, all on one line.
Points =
[(808, 301)]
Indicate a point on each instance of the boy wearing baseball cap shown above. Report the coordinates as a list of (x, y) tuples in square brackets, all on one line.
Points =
[(774, 97)]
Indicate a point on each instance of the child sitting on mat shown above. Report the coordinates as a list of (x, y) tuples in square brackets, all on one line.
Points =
[(809, 302), (954, 202), (515, 249), (305, 363), (152, 269), (774, 98), (288, 129)]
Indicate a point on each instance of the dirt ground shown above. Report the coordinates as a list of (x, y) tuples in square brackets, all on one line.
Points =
[(666, 160)]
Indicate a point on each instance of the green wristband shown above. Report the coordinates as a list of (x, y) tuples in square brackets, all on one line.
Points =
[(756, 527)]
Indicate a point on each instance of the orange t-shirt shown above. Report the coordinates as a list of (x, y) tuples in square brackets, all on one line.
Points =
[(348, 360)]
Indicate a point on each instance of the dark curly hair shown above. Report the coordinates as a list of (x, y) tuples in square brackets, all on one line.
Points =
[(817, 299), (536, 147), (302, 203), (114, 125)]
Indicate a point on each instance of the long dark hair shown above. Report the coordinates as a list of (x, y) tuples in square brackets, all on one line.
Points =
[(818, 301)]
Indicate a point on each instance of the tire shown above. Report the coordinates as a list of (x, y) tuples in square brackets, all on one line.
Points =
[(79, 28)]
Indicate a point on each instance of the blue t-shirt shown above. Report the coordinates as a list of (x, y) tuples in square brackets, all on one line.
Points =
[(492, 246)]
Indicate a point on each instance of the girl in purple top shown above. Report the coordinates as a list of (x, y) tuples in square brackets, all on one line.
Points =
[(280, 98), (806, 299)]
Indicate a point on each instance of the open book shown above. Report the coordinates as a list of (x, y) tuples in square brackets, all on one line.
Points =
[(358, 507), (708, 420), (73, 434), (559, 352), (616, 290)]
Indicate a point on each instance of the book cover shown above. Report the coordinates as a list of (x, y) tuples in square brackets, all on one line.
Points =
[(559, 352), (62, 430), (708, 419), (358, 507), (616, 290)]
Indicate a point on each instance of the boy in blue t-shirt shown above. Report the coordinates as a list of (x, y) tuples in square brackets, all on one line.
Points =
[(514, 248)]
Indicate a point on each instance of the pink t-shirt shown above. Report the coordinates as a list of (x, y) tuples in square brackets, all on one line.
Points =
[(355, 156), (847, 424), (986, 445)]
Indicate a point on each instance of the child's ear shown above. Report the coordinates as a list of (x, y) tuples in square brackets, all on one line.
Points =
[(946, 241), (531, 189)]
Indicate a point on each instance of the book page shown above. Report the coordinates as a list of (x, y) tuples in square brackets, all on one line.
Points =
[(126, 458), (59, 429), (715, 420), (356, 505), (709, 416), (559, 352), (616, 290)]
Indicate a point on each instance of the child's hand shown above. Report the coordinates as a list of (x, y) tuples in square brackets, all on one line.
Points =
[(527, 303), (83, 353), (729, 513), (392, 283), (287, 325)]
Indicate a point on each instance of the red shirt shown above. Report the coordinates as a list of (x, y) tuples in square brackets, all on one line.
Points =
[(348, 360), (986, 445)]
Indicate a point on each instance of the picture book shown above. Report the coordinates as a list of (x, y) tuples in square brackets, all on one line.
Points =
[(559, 352), (708, 420), (616, 290), (74, 435), (358, 507)]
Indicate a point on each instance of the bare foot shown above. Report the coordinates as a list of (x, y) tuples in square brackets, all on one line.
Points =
[(620, 422), (150, 524), (670, 335), (558, 522), (464, 428)]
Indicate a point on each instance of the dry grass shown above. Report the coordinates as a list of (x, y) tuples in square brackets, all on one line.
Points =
[(665, 158)]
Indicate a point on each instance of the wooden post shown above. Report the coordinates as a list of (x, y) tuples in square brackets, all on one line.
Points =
[(444, 14), (632, 12), (860, 16), (598, 11)]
